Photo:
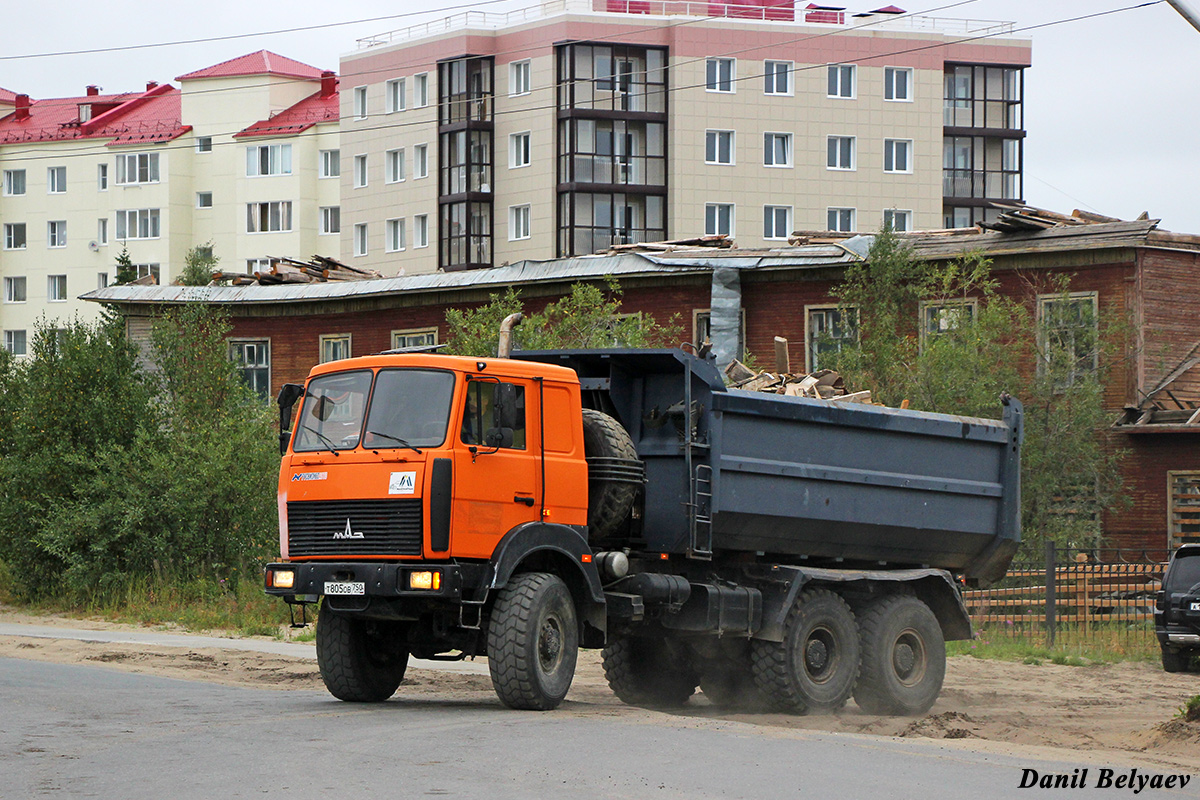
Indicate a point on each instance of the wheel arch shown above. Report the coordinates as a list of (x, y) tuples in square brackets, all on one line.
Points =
[(560, 550)]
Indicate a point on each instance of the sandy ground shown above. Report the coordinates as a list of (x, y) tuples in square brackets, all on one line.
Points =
[(1120, 712)]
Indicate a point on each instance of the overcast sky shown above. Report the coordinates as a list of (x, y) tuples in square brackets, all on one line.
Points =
[(1112, 104)]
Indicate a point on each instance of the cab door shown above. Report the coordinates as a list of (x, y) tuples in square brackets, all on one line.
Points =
[(497, 477)]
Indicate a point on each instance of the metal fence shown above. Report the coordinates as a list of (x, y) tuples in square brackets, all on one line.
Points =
[(1103, 596)]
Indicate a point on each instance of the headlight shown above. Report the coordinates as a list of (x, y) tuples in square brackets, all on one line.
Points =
[(425, 580), (282, 578)]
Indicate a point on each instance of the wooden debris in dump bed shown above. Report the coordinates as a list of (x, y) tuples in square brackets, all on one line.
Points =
[(824, 384)]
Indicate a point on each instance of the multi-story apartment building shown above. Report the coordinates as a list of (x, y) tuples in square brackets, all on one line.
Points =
[(235, 157), (563, 129)]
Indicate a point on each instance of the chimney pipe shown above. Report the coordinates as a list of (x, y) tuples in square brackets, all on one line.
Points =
[(22, 110), (93, 91), (329, 83), (150, 85)]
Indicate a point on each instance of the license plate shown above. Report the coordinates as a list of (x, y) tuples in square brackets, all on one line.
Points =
[(346, 587), (1195, 606)]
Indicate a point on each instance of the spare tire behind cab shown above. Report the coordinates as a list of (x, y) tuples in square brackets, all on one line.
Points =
[(614, 473)]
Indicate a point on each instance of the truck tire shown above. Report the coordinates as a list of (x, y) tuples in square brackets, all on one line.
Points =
[(360, 660), (903, 657), (648, 672), (815, 666), (533, 642), (1175, 660), (608, 501)]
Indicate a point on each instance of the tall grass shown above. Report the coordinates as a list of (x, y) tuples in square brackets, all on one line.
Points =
[(1076, 645)]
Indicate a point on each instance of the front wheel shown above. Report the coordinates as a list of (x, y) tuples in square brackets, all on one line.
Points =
[(533, 642), (360, 660), (1175, 660), (903, 657)]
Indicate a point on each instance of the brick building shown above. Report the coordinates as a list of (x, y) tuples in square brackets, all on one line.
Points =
[(742, 299)]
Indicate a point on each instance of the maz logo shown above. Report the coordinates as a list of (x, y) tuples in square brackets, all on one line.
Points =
[(348, 533)]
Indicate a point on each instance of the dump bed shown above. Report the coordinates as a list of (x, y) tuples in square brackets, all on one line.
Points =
[(804, 480)]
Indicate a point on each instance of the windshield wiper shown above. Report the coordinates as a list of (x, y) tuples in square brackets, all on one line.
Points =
[(397, 440), (324, 439)]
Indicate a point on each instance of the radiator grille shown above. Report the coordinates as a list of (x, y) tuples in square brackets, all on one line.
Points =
[(387, 527)]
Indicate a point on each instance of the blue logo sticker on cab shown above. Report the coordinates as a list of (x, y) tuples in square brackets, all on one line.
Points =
[(310, 476), (403, 483)]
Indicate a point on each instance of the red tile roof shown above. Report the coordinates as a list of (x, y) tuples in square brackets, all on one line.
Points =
[(264, 62), (311, 110), (7, 98), (130, 118)]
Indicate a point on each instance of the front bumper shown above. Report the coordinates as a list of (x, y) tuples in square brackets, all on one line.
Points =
[(381, 579)]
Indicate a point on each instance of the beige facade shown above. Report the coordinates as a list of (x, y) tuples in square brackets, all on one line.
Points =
[(794, 152)]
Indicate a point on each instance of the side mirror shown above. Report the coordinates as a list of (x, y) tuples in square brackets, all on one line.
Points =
[(289, 393)]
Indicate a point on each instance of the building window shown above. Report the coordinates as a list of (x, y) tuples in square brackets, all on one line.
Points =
[(148, 271), (777, 222), (360, 102), (56, 233), (840, 151), (360, 171), (102, 231), (335, 347), (273, 217), (14, 182), (394, 236), (14, 290), (266, 159), (102, 177), (897, 155), (56, 288), (421, 161), (56, 180), (518, 78), (1068, 337), (898, 221), (135, 168), (777, 77), (702, 330), (978, 96), (718, 219), (829, 330), (718, 147), (141, 223), (981, 166), (360, 239), (518, 222), (397, 97), (420, 337), (897, 84), (14, 236), (254, 265), (841, 219), (253, 361), (203, 144), (331, 220), (841, 81), (204, 200), (331, 164), (101, 280), (421, 90), (394, 167), (720, 74), (1183, 507), (942, 317), (777, 149), (519, 151), (421, 230), (14, 342)]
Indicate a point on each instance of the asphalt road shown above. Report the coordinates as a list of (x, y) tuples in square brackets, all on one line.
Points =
[(90, 731)]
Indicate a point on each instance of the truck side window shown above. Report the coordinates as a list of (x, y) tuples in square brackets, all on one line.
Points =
[(495, 415)]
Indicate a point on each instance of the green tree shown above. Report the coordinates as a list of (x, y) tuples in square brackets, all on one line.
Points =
[(970, 344), (198, 265), (590, 317), (125, 271)]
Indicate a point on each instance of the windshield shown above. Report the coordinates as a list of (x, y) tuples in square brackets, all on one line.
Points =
[(410, 408), (332, 415), (1184, 573)]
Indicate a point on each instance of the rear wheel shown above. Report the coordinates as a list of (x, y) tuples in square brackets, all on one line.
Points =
[(730, 685), (903, 657), (533, 642), (816, 664), (361, 660), (1175, 660), (648, 672)]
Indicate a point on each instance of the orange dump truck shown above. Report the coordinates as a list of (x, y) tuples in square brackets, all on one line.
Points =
[(787, 552)]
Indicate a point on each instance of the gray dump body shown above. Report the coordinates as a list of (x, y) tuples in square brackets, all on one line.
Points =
[(807, 481)]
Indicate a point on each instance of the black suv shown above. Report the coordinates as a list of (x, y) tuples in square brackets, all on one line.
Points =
[(1177, 610)]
